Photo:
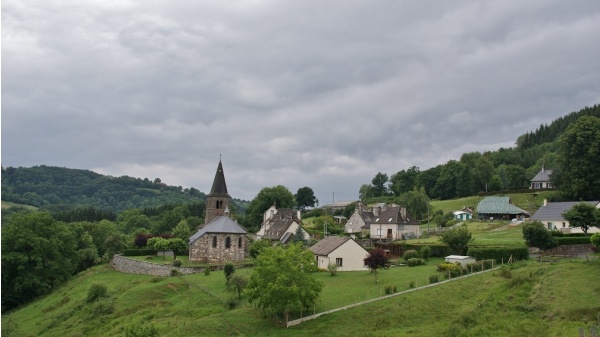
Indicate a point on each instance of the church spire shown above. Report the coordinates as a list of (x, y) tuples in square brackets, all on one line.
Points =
[(219, 187)]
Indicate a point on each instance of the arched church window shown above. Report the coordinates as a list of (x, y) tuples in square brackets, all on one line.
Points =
[(214, 242), (227, 242), (240, 242)]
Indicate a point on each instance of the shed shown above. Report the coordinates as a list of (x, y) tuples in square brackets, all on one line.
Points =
[(463, 260), (498, 207)]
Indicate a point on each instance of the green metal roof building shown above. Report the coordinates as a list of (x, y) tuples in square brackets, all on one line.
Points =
[(498, 208)]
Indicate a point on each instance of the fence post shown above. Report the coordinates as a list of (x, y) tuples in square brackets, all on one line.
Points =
[(502, 261), (493, 260)]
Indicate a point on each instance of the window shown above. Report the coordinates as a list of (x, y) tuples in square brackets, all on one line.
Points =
[(338, 261), (550, 227), (214, 242), (564, 225), (240, 242), (228, 242)]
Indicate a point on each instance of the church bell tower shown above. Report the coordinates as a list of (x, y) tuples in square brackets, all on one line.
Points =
[(218, 201)]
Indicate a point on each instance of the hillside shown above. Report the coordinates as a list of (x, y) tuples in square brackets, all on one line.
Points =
[(533, 299), (58, 189)]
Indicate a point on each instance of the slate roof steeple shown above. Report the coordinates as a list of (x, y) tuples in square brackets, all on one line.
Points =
[(219, 187)]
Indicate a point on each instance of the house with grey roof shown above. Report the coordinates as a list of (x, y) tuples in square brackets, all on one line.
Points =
[(499, 207), (541, 180), (221, 239), (359, 223), (281, 224), (343, 251), (551, 215), (394, 223)]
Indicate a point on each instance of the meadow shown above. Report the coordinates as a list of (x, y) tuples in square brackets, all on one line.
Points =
[(528, 298)]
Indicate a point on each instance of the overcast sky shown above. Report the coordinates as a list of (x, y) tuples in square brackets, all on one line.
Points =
[(322, 94)]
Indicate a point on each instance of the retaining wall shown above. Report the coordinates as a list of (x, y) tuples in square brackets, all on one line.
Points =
[(130, 266)]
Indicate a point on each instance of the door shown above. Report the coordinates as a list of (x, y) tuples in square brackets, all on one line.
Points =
[(389, 234)]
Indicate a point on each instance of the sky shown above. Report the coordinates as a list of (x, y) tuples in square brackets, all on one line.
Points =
[(323, 94)]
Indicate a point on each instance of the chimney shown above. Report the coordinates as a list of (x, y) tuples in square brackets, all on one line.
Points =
[(543, 172), (299, 214), (376, 210), (403, 212), (545, 202)]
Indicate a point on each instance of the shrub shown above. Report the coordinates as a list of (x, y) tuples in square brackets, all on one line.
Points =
[(207, 271), (573, 240), (499, 253), (505, 272), (536, 235), (415, 262), (228, 270), (96, 292), (410, 254), (177, 263), (595, 239), (412, 284), (141, 330), (104, 306), (231, 302), (332, 269), (175, 272), (391, 289), (433, 278), (425, 252), (480, 265), (455, 269)]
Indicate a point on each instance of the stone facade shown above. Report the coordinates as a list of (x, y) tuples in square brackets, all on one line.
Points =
[(212, 248)]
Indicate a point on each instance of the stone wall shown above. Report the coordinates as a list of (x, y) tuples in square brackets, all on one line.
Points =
[(130, 266), (202, 249), (569, 249)]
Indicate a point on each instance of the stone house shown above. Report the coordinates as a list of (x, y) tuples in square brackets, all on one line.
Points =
[(221, 239), (281, 224), (358, 224), (542, 179)]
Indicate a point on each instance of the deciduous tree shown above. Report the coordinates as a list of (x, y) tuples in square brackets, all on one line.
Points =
[(305, 197), (268, 196), (584, 216), (376, 260), (282, 280), (457, 239)]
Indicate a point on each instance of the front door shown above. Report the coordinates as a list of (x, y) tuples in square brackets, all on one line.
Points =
[(389, 235)]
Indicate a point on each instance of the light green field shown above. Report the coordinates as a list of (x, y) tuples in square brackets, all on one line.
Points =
[(8, 204), (521, 200), (537, 300)]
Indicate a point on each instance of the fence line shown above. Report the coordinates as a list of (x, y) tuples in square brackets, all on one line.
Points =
[(311, 317)]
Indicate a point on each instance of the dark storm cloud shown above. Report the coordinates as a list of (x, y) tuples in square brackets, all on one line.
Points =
[(298, 93)]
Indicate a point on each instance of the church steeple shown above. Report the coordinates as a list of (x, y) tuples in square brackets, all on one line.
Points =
[(219, 187), (218, 201)]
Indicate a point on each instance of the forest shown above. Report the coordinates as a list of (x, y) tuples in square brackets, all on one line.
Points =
[(507, 169)]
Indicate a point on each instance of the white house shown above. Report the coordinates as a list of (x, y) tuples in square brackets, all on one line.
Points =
[(346, 253), (463, 260), (551, 215), (394, 223), (542, 179), (280, 224), (462, 215)]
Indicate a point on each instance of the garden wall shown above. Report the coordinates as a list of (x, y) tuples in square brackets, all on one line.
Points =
[(130, 266)]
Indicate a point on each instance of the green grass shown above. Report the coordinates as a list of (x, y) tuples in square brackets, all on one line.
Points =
[(495, 233), (539, 299), (520, 200), (184, 260)]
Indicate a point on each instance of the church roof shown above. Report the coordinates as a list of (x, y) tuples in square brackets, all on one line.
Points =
[(219, 187), (220, 224)]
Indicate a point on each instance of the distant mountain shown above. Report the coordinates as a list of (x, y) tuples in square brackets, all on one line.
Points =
[(60, 189)]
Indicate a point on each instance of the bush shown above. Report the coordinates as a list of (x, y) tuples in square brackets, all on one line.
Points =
[(410, 254), (505, 272), (228, 270), (96, 292), (480, 265), (177, 263), (412, 284), (573, 240), (436, 250), (425, 252), (175, 272), (415, 262), (455, 269), (536, 235), (104, 306), (499, 254), (433, 278), (332, 269), (141, 330), (390, 289), (595, 240), (207, 271)]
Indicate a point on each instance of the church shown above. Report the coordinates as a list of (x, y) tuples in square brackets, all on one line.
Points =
[(221, 239)]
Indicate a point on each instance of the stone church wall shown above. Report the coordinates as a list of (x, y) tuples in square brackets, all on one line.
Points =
[(202, 249)]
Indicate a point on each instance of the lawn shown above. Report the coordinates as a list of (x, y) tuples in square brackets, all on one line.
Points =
[(497, 233), (520, 200)]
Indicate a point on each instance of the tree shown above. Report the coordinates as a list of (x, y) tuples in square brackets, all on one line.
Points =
[(457, 239), (282, 280), (38, 253), (379, 181), (404, 181), (299, 236), (176, 245), (584, 216), (236, 284), (578, 176), (305, 197), (182, 230), (484, 169), (159, 244), (417, 202), (257, 246), (267, 197), (365, 191), (377, 260), (536, 235)]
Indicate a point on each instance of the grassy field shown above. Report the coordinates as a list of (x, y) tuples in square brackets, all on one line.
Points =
[(496, 233), (520, 200), (532, 299)]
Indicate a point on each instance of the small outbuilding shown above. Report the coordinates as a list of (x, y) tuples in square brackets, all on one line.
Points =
[(463, 260)]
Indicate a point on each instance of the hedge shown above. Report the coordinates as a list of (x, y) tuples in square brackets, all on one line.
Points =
[(139, 252), (499, 253), (565, 240), (571, 235), (436, 250)]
